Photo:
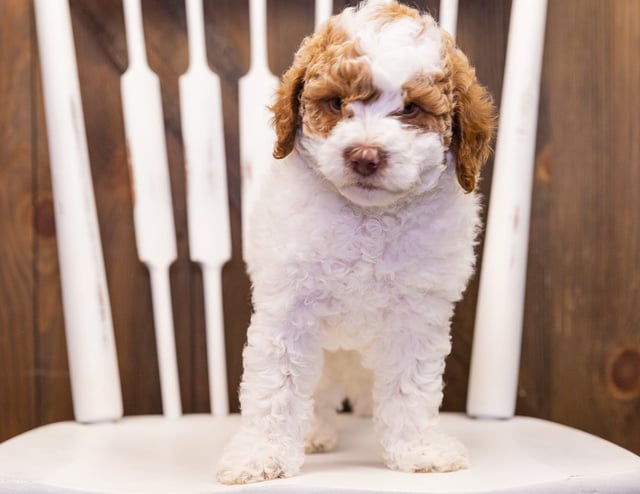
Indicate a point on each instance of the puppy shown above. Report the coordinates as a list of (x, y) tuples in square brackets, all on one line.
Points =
[(361, 242)]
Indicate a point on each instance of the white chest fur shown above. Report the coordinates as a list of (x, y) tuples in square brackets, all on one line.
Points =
[(358, 271)]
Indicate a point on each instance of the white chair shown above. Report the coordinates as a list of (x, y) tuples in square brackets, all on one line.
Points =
[(104, 453)]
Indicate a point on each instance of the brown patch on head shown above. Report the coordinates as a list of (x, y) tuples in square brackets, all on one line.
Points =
[(428, 104), (327, 74), (335, 78), (473, 116)]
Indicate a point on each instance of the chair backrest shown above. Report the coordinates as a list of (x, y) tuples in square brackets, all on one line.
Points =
[(91, 348), (93, 365)]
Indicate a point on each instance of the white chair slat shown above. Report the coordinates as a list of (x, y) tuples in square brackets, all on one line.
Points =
[(255, 92), (152, 204), (449, 16), (95, 381), (207, 194), (495, 360), (324, 10)]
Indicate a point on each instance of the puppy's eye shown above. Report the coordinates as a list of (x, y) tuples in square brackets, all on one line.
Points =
[(335, 105), (410, 110)]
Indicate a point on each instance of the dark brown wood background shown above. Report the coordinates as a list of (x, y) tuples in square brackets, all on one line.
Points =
[(581, 349)]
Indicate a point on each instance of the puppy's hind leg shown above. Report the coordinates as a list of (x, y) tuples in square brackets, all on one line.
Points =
[(358, 383)]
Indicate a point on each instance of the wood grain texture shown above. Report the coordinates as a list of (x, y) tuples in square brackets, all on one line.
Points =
[(581, 344), (589, 234), (18, 397)]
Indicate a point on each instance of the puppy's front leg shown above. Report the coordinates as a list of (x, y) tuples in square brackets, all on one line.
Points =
[(408, 393), (282, 365)]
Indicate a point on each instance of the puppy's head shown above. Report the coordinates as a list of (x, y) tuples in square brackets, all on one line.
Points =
[(376, 99)]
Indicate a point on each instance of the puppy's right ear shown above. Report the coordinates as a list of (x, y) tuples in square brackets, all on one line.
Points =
[(286, 108), (287, 104)]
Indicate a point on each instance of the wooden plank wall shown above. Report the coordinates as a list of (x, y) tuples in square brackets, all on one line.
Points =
[(581, 351)]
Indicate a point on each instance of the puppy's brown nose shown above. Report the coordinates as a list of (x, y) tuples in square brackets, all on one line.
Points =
[(365, 160)]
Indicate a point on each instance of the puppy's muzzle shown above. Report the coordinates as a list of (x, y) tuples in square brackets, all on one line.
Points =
[(365, 160)]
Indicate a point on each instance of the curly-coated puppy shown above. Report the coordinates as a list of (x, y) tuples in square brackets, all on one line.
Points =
[(362, 239)]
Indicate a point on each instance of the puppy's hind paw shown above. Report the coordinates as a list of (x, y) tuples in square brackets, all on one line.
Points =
[(321, 439)]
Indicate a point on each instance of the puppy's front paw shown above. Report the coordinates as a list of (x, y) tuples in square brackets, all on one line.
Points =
[(250, 469), (432, 452), (249, 459)]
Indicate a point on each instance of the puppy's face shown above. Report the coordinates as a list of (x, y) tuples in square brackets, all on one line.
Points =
[(376, 98)]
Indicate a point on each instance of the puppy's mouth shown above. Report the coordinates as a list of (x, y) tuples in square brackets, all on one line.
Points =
[(369, 194), (367, 186)]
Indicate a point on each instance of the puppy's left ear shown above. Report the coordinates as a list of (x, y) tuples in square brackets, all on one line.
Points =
[(473, 120)]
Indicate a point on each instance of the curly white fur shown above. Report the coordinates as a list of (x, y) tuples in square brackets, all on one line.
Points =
[(353, 286)]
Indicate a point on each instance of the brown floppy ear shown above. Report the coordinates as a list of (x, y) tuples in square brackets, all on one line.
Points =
[(473, 119), (286, 108), (287, 105)]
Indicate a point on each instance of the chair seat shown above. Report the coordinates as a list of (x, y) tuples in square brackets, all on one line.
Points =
[(155, 455)]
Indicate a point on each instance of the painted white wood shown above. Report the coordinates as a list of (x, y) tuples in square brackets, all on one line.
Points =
[(151, 455), (448, 17), (256, 93), (207, 197), (152, 205), (165, 340), (498, 327), (95, 381), (215, 339), (324, 10)]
